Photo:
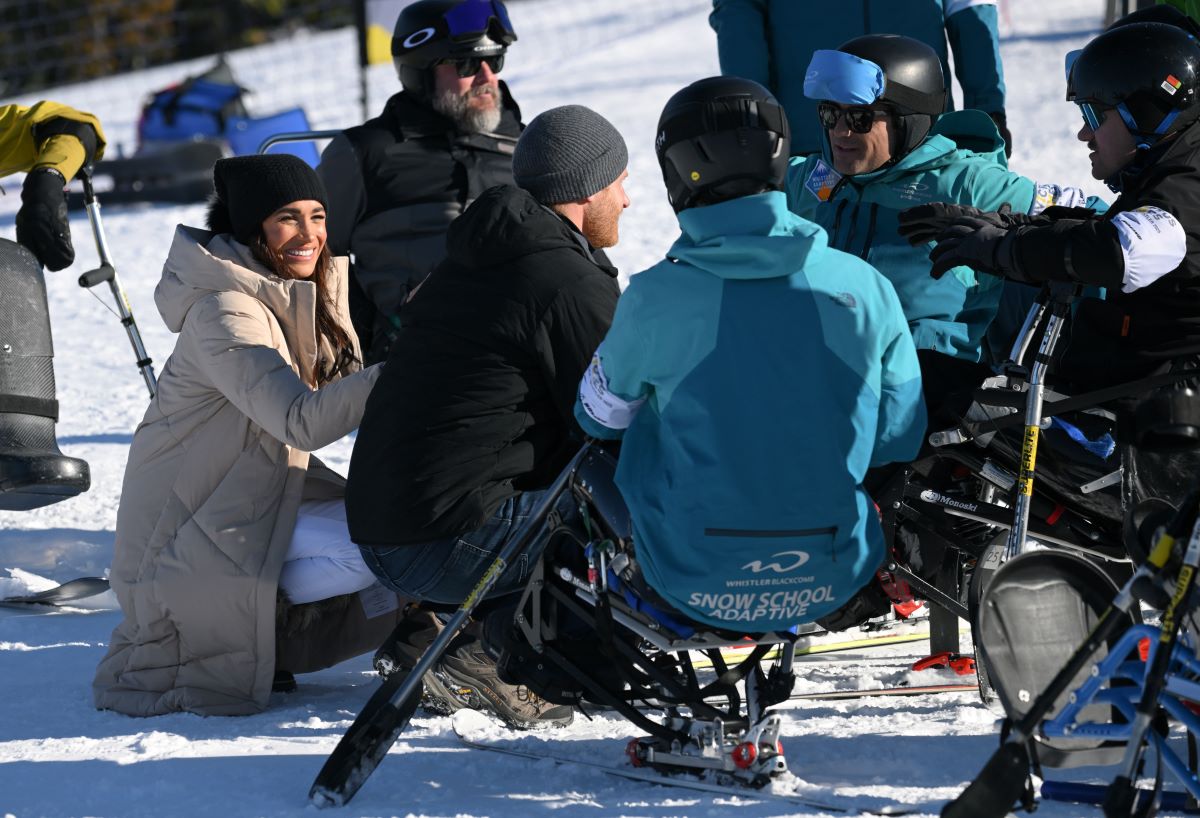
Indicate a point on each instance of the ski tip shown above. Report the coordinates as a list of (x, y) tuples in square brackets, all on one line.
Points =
[(323, 797)]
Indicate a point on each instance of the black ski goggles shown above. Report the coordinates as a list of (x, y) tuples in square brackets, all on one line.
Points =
[(470, 66), (858, 119)]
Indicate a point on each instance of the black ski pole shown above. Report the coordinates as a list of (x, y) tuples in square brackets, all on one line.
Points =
[(106, 272), (1002, 780), (1122, 792), (388, 711)]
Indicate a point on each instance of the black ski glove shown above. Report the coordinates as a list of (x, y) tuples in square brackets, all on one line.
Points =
[(923, 223), (1001, 120), (977, 243), (42, 224)]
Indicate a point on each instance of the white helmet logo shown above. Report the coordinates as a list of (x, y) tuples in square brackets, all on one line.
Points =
[(757, 566), (419, 37)]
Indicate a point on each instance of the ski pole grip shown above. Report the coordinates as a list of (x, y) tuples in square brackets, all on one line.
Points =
[(101, 274), (998, 786)]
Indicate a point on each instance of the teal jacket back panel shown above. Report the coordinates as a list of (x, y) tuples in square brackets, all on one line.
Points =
[(962, 161), (772, 41), (760, 374)]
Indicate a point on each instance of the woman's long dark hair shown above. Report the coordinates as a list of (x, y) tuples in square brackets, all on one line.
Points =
[(327, 326)]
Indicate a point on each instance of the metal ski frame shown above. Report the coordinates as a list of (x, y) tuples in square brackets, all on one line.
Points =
[(389, 710), (1003, 779), (106, 272)]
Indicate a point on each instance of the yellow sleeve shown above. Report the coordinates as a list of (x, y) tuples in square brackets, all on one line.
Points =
[(21, 149)]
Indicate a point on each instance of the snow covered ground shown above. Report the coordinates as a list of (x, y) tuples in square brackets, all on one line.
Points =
[(60, 757)]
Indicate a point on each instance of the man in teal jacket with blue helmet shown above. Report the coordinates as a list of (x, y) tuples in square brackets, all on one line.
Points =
[(771, 41), (887, 148), (754, 375)]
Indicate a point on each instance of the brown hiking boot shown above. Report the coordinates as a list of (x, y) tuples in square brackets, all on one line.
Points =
[(468, 675)]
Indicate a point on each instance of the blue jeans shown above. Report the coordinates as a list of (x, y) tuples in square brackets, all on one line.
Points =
[(447, 570)]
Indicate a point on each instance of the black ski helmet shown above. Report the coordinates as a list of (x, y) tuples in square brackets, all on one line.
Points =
[(430, 31), (914, 85), (1148, 72), (721, 138)]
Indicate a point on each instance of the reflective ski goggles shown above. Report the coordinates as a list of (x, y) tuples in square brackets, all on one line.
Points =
[(470, 66), (860, 120), (1093, 115), (472, 18)]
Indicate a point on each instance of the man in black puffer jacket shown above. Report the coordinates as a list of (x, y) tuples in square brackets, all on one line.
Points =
[(473, 416), (397, 181)]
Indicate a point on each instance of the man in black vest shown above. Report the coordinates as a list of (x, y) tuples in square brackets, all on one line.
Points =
[(397, 181)]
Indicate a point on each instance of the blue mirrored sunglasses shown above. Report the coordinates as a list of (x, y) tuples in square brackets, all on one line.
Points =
[(1093, 115), (472, 18)]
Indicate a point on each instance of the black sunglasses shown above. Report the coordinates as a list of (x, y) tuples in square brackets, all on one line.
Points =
[(860, 120), (470, 66)]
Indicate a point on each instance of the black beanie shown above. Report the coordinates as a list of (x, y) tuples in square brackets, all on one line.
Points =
[(247, 189)]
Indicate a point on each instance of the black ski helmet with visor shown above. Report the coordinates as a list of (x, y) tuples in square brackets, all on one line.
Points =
[(721, 138), (1147, 72), (901, 74), (466, 32)]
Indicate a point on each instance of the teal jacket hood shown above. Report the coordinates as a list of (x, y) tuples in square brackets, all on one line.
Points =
[(740, 238)]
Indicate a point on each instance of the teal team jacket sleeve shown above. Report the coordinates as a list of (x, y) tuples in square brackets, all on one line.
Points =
[(613, 389), (975, 41), (902, 418), (742, 43)]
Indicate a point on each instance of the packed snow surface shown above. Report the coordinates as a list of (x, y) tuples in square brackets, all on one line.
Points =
[(60, 757)]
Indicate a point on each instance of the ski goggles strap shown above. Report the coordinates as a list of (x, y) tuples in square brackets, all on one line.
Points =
[(844, 78), (724, 115), (473, 18)]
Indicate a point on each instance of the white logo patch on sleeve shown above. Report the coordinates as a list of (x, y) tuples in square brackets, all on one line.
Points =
[(1153, 244), (1048, 194), (602, 405)]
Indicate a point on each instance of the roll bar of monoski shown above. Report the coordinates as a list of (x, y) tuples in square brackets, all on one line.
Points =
[(107, 273)]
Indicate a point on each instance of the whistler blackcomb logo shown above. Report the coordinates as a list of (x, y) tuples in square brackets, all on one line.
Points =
[(795, 560), (931, 496)]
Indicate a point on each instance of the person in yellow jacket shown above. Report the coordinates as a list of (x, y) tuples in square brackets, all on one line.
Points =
[(52, 142)]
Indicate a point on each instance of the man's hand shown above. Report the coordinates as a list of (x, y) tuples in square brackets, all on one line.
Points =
[(977, 243), (42, 224), (923, 223)]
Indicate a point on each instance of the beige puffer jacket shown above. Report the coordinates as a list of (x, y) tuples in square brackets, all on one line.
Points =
[(216, 473)]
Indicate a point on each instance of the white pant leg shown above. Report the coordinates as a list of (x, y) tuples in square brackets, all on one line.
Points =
[(321, 560)]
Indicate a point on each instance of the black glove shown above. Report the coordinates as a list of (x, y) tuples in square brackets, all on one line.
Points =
[(42, 224), (923, 223), (1001, 121), (979, 244)]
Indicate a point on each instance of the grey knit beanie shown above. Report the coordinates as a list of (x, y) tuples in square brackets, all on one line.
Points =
[(568, 153)]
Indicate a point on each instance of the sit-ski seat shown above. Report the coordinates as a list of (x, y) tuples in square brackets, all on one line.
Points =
[(588, 631)]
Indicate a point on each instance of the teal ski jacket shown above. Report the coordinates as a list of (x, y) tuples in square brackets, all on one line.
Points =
[(755, 375), (772, 41), (961, 161)]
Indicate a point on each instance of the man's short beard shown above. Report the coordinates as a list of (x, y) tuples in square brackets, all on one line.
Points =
[(466, 117)]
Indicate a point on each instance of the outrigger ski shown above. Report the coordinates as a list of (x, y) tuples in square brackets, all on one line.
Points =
[(894, 690), (650, 776), (60, 594)]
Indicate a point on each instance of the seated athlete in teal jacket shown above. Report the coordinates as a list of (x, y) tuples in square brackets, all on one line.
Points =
[(755, 375), (886, 149)]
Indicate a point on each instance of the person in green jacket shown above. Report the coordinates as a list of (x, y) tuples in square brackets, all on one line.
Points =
[(771, 42), (887, 147)]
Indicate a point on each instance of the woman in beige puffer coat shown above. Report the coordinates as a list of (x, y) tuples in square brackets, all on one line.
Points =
[(265, 370)]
